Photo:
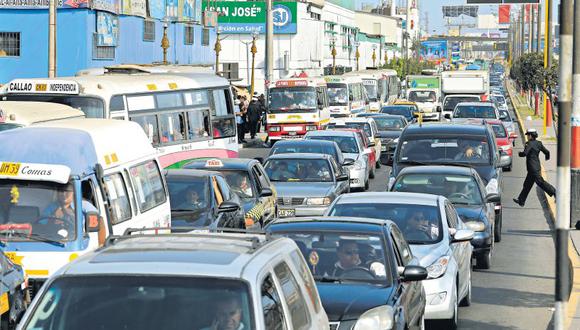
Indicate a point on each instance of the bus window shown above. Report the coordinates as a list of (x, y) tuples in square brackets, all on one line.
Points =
[(196, 98), (223, 127), (172, 127), (149, 125), (117, 103), (198, 121), (92, 107), (141, 102), (117, 198), (148, 185), (169, 100), (221, 106)]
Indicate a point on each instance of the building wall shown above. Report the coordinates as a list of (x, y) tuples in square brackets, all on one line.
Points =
[(377, 25), (341, 17)]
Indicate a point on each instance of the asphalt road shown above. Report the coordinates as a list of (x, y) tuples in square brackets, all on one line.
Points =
[(518, 291)]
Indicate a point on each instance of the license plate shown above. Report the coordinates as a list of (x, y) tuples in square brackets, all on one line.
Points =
[(286, 213), (292, 128), (4, 306), (292, 133), (9, 169), (16, 259)]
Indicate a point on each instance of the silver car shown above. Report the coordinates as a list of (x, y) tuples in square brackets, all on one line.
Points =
[(352, 148), (306, 183), (437, 236)]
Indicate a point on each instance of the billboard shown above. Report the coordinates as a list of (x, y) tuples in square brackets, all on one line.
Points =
[(42, 4), (107, 29), (433, 50), (241, 17)]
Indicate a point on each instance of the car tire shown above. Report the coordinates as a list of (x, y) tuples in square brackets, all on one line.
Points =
[(466, 301), (508, 168), (451, 324), (367, 185), (378, 164), (484, 260), (497, 228)]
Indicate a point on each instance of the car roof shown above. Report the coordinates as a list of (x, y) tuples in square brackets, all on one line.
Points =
[(382, 115), (438, 169), (189, 173), (212, 255), (391, 197), (299, 155), (333, 223), (311, 142), (331, 133), (351, 120), (228, 164), (429, 128), (479, 104)]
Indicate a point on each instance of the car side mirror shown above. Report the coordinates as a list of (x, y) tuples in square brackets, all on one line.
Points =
[(493, 198), (260, 159), (463, 235), (502, 116), (228, 207), (348, 162), (439, 108), (372, 143), (447, 116), (342, 177), (413, 273), (266, 192)]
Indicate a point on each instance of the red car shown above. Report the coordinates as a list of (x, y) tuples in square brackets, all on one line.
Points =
[(504, 143), (367, 145)]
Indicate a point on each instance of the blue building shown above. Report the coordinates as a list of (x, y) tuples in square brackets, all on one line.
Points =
[(88, 37)]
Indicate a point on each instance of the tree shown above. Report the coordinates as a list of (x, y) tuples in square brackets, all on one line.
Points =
[(414, 66)]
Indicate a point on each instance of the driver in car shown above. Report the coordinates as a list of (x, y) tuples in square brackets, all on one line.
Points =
[(61, 211), (419, 224), (468, 151), (348, 257)]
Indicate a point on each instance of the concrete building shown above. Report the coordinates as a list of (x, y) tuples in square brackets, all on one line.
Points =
[(378, 34)]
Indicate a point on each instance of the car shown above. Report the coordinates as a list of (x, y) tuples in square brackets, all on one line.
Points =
[(248, 179), (437, 237), (509, 124), (390, 127), (504, 142), (367, 125), (448, 144), (14, 294), (499, 101), (450, 101), (426, 103), (466, 191), (471, 110), (182, 281), (368, 146), (365, 272), (306, 183), (407, 111), (309, 146), (203, 199), (352, 147)]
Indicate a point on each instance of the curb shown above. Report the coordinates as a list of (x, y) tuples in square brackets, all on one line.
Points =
[(572, 253)]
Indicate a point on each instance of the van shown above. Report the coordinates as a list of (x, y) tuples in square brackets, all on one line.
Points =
[(14, 114), (66, 185)]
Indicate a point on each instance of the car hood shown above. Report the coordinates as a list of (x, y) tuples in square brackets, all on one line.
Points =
[(469, 212), (390, 134), (428, 254), (343, 302), (303, 189)]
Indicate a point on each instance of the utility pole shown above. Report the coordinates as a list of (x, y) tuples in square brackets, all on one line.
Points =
[(52, 39), (564, 139), (539, 28), (523, 30), (575, 121), (269, 43), (407, 35), (548, 62), (530, 28)]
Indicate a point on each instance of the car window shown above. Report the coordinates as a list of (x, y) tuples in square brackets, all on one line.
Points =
[(148, 185), (336, 169), (298, 260), (188, 195), (472, 149), (272, 306), (346, 144), (499, 131), (299, 170), (293, 296), (474, 111), (224, 188), (451, 215), (118, 198), (240, 182), (402, 246), (459, 189)]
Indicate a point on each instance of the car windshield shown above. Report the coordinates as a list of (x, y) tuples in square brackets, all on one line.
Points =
[(451, 102), (292, 99), (346, 144), (459, 149), (304, 148), (372, 91), (499, 131), (474, 111), (420, 224), (498, 99), (7, 126), (401, 110), (459, 189), (32, 211), (143, 302), (340, 256), (337, 94), (299, 170), (355, 125), (422, 96), (505, 115), (389, 124), (188, 193), (240, 182)]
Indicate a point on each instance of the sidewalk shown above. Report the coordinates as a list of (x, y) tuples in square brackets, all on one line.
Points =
[(527, 120)]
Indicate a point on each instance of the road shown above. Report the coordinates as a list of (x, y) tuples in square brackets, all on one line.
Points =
[(518, 291)]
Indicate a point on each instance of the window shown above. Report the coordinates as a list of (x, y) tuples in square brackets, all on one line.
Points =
[(102, 52), (196, 98), (169, 100), (306, 275), (117, 198), (230, 71), (272, 306), (223, 127), (220, 103), (172, 127), (149, 125), (9, 44), (148, 30), (293, 296), (224, 188), (188, 33), (117, 103), (402, 247), (205, 37), (451, 215), (148, 185), (198, 121)]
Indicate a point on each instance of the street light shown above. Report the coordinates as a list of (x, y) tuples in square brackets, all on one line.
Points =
[(333, 53), (217, 48), (357, 55), (374, 55), (165, 40), (254, 50)]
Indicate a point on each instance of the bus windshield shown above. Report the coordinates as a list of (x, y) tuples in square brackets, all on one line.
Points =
[(37, 211), (92, 107), (337, 94), (372, 91), (293, 99)]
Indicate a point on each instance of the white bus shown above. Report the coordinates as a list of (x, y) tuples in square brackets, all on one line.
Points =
[(185, 115), (15, 114), (346, 95), (382, 86)]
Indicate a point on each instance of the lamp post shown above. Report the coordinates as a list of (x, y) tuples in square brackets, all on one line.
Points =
[(357, 55), (254, 50), (217, 48), (165, 40), (386, 57), (333, 53), (374, 57)]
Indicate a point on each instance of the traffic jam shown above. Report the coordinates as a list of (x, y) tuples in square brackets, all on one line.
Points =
[(124, 203)]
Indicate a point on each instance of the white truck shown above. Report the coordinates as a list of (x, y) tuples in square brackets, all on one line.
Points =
[(463, 86), (425, 91)]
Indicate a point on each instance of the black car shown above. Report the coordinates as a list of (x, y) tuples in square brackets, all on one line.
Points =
[(201, 199), (407, 111), (460, 144), (466, 191), (249, 181), (363, 269), (390, 128), (309, 147)]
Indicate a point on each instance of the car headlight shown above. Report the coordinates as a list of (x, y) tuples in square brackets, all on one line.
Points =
[(359, 165), (377, 318), (311, 128), (475, 225), (438, 268), (318, 201), (396, 140), (492, 187), (274, 128)]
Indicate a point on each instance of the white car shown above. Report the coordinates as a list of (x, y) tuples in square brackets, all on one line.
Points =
[(352, 147), (475, 110), (365, 124), (437, 237)]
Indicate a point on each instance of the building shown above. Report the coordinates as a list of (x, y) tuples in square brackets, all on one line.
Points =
[(378, 34), (101, 33), (340, 31)]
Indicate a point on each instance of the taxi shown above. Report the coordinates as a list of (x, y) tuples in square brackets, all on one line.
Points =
[(248, 179), (416, 111)]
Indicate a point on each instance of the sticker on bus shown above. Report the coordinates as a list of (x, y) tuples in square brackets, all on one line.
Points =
[(26, 86), (34, 172)]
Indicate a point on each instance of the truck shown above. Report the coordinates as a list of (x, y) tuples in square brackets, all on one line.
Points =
[(463, 86), (425, 91)]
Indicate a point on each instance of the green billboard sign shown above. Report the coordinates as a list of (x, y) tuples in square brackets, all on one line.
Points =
[(424, 82)]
